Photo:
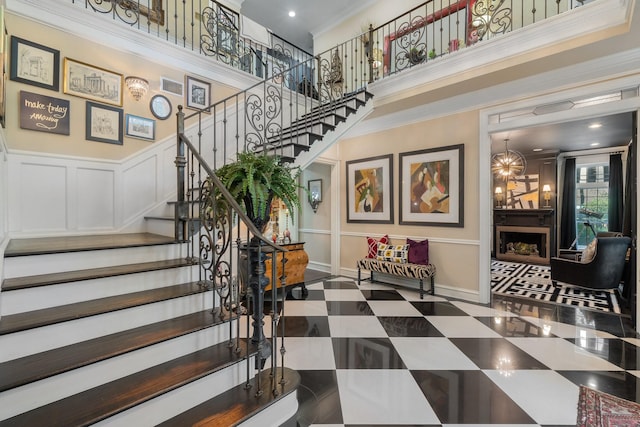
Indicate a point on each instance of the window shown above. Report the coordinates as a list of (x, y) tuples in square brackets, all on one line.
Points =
[(592, 200)]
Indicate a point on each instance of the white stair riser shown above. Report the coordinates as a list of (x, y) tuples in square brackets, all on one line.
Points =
[(31, 396), (177, 401), (71, 261), (21, 300), (160, 226), (45, 338)]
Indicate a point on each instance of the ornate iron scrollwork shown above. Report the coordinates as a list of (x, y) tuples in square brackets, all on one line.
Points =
[(263, 115), (332, 77), (490, 17)]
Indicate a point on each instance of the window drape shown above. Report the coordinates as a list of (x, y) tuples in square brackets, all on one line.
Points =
[(616, 192), (568, 208)]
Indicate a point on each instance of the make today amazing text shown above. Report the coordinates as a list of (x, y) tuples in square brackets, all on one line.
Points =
[(53, 113)]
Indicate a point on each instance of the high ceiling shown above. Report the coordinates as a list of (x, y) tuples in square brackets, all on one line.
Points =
[(311, 16)]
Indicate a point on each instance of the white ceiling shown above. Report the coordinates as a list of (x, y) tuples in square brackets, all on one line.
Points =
[(312, 16)]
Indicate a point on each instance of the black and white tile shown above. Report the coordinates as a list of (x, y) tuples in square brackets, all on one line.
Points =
[(377, 355)]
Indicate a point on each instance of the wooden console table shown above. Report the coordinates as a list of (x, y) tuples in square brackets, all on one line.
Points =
[(294, 267)]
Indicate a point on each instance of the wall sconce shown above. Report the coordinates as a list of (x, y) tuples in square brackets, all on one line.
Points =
[(377, 60), (137, 86), (498, 193), (546, 190), (315, 193)]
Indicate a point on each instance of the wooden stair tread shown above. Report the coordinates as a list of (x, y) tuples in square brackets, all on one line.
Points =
[(18, 372), (51, 245), (48, 316), (100, 402), (239, 403), (91, 273)]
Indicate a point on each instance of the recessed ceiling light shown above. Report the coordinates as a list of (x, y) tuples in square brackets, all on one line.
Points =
[(595, 125), (594, 144), (537, 149), (292, 13)]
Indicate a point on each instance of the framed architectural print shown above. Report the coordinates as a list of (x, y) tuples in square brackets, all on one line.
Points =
[(432, 187), (198, 94), (91, 82), (140, 127), (34, 64), (103, 123), (370, 190)]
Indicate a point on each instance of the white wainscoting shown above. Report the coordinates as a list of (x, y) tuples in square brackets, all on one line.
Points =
[(51, 194)]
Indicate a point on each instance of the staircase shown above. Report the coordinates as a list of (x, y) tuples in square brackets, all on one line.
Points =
[(119, 330)]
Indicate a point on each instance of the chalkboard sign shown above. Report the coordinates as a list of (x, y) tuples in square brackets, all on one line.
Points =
[(44, 113)]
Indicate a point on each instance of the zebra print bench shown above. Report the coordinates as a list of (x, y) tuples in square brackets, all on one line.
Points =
[(411, 271)]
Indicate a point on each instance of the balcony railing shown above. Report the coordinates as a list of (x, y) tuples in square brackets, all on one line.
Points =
[(427, 32), (206, 27)]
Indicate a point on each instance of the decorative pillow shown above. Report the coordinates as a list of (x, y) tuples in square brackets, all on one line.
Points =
[(373, 245), (418, 252), (393, 253), (589, 252)]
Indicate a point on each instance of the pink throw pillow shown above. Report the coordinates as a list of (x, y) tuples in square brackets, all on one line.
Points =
[(373, 245)]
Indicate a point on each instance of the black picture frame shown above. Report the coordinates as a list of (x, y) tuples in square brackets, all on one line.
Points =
[(104, 123), (432, 187), (34, 64), (370, 190)]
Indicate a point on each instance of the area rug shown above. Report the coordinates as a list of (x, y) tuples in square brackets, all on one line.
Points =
[(534, 281), (598, 409)]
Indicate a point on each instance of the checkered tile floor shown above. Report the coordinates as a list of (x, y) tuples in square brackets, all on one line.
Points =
[(378, 355)]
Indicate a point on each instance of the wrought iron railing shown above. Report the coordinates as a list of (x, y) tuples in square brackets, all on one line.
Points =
[(440, 27), (231, 253), (428, 31), (206, 27)]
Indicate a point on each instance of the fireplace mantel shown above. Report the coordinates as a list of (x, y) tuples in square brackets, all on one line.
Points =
[(526, 221)]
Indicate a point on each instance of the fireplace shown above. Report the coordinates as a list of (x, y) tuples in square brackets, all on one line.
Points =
[(524, 235)]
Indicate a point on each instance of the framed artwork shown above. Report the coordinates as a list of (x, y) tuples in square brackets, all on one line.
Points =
[(103, 123), (315, 189), (432, 187), (370, 190), (522, 192), (44, 113), (198, 94), (34, 64), (140, 127), (91, 82)]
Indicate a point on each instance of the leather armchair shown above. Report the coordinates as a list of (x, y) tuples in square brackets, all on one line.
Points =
[(604, 271)]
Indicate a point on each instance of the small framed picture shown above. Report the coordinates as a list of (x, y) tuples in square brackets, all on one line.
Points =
[(103, 123), (34, 64), (198, 94), (140, 127), (91, 82)]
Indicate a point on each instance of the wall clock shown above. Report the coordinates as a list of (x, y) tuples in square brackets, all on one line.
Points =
[(160, 107)]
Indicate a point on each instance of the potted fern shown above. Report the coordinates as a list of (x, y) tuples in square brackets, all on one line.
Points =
[(255, 179)]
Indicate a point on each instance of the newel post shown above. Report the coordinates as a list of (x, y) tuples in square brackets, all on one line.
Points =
[(181, 163)]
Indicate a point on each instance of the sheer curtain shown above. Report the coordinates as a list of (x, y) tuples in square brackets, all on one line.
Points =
[(568, 208)]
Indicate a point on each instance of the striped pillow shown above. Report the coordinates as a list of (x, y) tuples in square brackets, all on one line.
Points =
[(393, 253)]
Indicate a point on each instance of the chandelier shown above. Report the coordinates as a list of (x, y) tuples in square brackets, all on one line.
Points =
[(509, 164)]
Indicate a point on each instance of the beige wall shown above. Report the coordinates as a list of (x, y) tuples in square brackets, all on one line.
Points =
[(450, 248), (100, 56)]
